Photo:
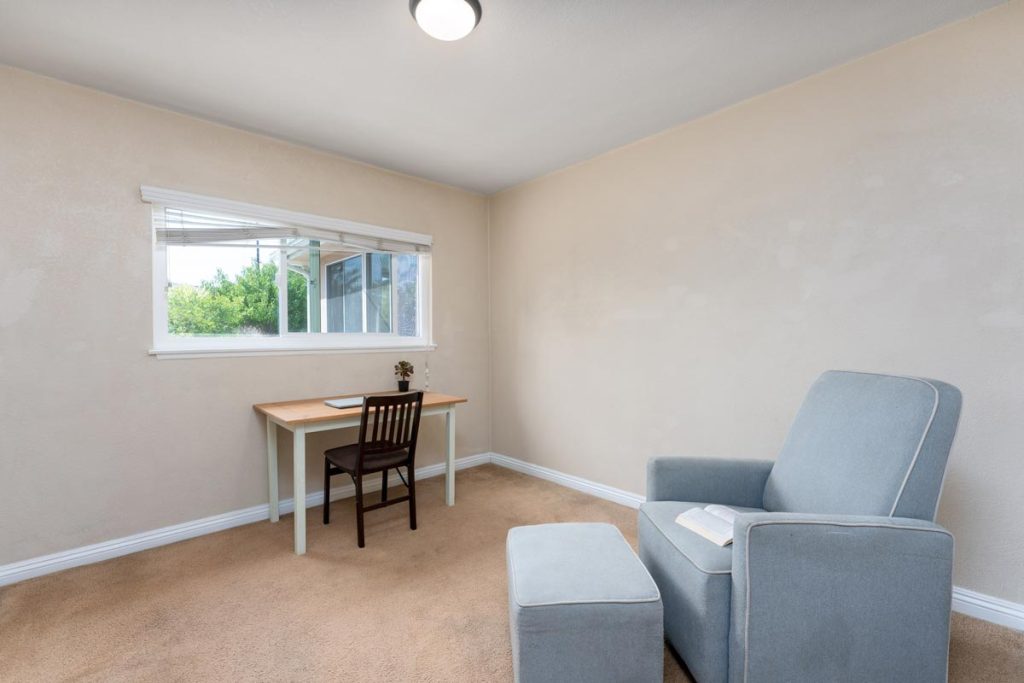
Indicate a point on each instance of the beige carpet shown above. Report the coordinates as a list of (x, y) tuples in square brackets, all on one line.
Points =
[(428, 605)]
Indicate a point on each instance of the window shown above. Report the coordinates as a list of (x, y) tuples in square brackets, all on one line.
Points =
[(239, 278), (345, 295)]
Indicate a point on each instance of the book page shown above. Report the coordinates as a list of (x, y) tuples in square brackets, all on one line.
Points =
[(723, 512)]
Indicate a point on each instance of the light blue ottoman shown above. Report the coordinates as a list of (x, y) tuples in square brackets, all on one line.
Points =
[(582, 606)]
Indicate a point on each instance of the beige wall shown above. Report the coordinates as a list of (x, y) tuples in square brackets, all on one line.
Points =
[(99, 440), (679, 295), (867, 218)]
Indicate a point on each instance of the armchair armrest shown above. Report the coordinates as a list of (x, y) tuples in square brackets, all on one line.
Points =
[(708, 480), (839, 597)]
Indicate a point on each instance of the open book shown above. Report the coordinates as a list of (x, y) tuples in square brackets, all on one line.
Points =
[(713, 522)]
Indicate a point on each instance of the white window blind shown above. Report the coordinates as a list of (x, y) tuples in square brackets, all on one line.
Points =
[(189, 219)]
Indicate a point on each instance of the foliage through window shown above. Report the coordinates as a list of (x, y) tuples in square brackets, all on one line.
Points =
[(245, 303)]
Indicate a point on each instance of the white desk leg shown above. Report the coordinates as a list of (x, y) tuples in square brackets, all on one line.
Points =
[(449, 473), (299, 492), (272, 469)]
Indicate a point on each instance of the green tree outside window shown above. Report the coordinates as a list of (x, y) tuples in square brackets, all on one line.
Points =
[(246, 305)]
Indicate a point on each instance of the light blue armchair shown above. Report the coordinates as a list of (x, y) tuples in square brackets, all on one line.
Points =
[(837, 571)]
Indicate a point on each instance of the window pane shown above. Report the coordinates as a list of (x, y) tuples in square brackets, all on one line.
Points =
[(352, 294), (344, 291), (298, 302), (303, 264), (407, 276), (222, 290), (378, 293), (389, 304)]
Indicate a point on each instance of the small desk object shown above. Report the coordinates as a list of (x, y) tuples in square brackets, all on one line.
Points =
[(312, 415)]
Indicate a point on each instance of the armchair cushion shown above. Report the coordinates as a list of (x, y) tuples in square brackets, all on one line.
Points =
[(866, 444), (705, 556)]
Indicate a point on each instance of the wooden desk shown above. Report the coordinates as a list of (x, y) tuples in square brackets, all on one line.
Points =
[(311, 415)]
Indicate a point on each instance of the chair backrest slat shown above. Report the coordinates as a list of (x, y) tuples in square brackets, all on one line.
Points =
[(399, 425), (390, 424)]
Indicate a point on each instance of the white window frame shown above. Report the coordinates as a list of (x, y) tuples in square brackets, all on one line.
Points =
[(166, 345)]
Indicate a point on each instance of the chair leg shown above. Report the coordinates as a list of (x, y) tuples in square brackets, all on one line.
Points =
[(384, 486), (327, 491), (412, 498), (359, 512)]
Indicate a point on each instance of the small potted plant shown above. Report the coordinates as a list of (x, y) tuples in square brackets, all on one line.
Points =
[(403, 371)]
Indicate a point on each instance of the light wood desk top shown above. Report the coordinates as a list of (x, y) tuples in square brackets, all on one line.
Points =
[(313, 410)]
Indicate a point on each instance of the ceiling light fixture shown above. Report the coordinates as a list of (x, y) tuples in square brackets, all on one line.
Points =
[(446, 19)]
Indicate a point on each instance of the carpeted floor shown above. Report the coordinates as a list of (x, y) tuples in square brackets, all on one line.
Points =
[(428, 605)]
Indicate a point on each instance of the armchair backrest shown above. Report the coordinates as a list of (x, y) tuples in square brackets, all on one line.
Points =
[(865, 444)]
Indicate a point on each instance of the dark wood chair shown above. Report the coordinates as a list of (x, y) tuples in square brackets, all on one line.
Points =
[(387, 439)]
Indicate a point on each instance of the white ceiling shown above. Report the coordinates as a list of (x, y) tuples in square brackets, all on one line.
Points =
[(540, 84)]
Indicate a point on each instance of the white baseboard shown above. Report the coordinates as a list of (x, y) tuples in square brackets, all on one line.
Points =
[(988, 608), (965, 601), (349, 490), (98, 552), (611, 493)]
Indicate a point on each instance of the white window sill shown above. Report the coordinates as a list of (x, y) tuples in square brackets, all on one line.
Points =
[(178, 352)]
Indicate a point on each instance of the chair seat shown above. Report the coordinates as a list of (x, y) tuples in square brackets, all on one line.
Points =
[(346, 457)]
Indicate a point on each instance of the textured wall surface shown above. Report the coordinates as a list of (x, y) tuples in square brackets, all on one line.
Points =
[(679, 295), (99, 439)]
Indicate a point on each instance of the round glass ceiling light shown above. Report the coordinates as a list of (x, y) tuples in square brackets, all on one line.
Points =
[(446, 19)]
